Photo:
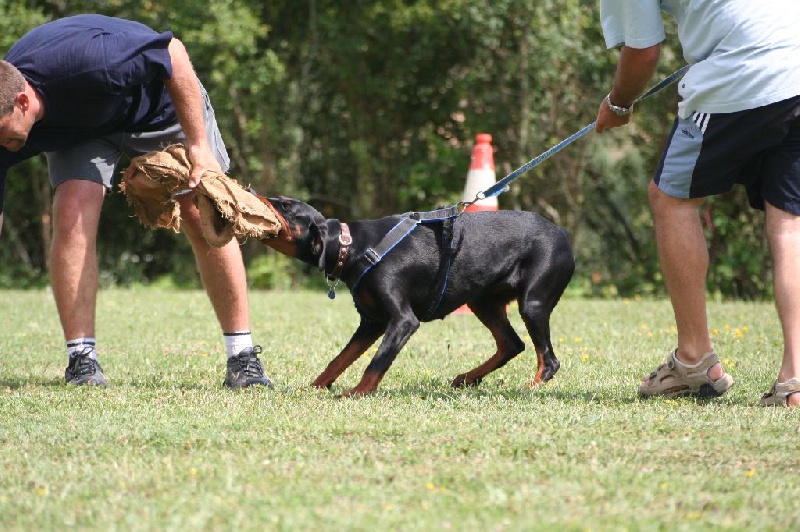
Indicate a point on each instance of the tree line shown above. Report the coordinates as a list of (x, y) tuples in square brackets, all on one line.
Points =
[(371, 107)]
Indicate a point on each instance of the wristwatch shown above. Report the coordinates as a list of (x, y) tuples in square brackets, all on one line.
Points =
[(618, 109)]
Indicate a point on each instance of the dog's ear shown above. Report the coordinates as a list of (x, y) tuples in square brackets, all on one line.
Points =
[(319, 237)]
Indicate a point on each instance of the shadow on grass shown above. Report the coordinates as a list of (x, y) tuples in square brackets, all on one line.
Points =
[(11, 383), (428, 390), (437, 391), (543, 394), (14, 384)]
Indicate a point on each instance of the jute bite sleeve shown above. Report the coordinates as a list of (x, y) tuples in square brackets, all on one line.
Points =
[(227, 209)]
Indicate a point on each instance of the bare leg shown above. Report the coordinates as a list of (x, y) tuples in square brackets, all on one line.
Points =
[(73, 258), (683, 256), (221, 270), (783, 233)]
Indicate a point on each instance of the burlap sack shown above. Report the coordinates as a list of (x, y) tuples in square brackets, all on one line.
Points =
[(227, 210), (150, 183)]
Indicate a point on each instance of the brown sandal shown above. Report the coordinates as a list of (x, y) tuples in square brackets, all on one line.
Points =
[(779, 394), (674, 378)]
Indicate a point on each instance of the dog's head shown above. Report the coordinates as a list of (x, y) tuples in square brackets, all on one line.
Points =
[(306, 231)]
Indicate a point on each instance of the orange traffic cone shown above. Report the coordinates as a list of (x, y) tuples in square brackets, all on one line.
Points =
[(481, 174), (480, 177)]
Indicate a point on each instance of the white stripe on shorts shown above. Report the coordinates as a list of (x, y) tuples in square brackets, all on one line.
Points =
[(701, 119)]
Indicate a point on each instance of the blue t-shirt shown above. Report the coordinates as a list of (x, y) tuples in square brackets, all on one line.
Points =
[(97, 75)]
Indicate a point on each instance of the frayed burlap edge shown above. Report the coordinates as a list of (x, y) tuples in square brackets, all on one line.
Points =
[(227, 209)]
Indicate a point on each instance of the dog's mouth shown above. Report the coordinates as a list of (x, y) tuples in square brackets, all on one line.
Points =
[(270, 203)]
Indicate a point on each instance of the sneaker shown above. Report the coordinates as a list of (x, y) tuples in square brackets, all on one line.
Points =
[(83, 370), (245, 369)]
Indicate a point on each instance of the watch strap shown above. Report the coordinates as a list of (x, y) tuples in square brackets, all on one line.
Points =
[(618, 109)]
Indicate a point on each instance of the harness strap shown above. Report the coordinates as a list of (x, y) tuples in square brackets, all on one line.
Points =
[(447, 245), (445, 213), (373, 255)]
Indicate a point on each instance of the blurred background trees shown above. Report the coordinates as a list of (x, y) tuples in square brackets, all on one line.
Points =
[(371, 107)]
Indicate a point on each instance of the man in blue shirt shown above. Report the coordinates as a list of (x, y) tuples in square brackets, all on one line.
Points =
[(738, 123), (87, 90)]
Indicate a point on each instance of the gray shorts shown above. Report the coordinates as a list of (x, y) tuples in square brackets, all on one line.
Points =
[(707, 154), (97, 159)]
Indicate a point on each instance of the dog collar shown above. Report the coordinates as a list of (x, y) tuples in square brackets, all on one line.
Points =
[(344, 250)]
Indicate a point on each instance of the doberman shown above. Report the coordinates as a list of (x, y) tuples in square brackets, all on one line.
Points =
[(405, 269)]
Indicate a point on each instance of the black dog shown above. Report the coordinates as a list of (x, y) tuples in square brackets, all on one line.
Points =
[(422, 266)]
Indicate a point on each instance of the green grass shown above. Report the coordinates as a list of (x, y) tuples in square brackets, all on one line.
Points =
[(167, 448)]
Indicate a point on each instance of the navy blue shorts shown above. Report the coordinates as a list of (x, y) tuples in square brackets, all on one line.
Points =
[(707, 154)]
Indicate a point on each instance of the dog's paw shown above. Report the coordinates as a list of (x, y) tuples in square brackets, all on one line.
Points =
[(545, 372), (356, 393), (462, 382), (320, 384)]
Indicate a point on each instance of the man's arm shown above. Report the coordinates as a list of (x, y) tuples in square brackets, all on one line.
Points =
[(634, 70), (184, 90)]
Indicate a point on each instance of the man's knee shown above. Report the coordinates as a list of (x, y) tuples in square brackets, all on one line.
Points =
[(661, 202), (77, 205)]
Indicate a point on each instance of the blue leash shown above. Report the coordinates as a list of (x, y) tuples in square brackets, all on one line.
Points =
[(502, 185)]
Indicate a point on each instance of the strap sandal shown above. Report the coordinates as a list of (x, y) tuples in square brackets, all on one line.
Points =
[(779, 394), (674, 378)]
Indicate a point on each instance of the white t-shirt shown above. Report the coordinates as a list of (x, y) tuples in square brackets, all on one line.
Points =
[(744, 53)]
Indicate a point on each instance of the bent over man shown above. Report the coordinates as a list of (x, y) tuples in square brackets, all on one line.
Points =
[(85, 90)]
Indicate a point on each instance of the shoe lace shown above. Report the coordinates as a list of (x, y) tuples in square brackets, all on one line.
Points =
[(249, 363), (81, 364)]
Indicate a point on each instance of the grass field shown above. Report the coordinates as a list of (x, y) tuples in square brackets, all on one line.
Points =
[(167, 448)]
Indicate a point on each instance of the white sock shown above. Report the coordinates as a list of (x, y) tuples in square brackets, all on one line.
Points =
[(78, 345), (235, 342)]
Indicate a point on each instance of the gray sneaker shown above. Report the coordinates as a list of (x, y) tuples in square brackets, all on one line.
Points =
[(83, 370), (245, 369)]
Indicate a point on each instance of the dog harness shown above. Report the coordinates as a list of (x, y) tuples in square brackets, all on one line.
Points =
[(373, 255)]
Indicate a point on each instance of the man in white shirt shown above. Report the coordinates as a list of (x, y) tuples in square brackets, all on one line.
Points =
[(738, 123)]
